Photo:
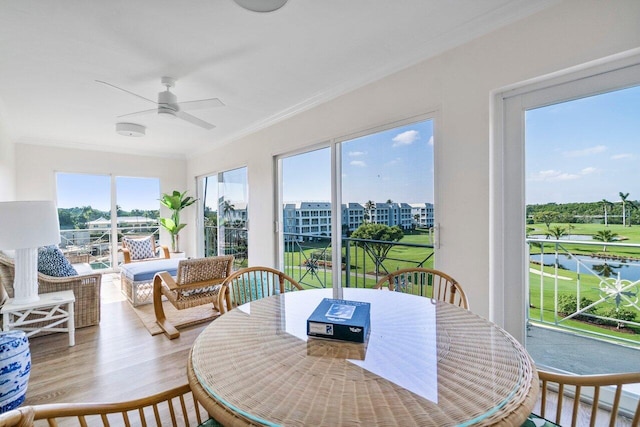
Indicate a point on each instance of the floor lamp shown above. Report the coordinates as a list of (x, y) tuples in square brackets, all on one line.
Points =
[(24, 226)]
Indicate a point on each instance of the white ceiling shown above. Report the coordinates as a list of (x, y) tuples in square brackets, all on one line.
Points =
[(263, 66)]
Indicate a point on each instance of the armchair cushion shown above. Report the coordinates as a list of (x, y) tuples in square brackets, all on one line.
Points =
[(51, 261), (140, 248)]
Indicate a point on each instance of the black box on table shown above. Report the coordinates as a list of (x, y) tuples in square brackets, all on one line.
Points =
[(340, 320)]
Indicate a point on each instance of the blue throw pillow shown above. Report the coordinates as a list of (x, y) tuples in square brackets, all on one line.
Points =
[(51, 261), (139, 248)]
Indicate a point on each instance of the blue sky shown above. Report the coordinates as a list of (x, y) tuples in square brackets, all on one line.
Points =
[(396, 164), (584, 150), (77, 190)]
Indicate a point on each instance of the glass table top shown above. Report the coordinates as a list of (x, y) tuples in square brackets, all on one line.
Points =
[(424, 363)]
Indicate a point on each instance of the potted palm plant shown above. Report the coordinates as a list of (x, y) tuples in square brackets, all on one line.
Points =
[(176, 202)]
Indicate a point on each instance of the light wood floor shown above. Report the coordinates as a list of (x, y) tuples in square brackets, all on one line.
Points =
[(115, 361)]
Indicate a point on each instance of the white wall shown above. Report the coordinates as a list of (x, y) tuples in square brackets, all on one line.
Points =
[(7, 167), (37, 165), (458, 84)]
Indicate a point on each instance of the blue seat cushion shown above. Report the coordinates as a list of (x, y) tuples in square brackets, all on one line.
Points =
[(145, 270)]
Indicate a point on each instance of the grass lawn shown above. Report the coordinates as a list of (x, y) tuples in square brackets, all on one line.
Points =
[(624, 235), (588, 289), (362, 265)]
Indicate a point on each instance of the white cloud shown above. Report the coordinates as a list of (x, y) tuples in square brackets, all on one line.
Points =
[(587, 171), (395, 162), (586, 152), (406, 138), (553, 175), (430, 142), (622, 156), (358, 163), (357, 153)]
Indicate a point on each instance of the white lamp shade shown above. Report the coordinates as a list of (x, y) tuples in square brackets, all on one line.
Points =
[(28, 224)]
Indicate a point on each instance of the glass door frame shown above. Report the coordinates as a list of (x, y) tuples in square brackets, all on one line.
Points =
[(507, 248)]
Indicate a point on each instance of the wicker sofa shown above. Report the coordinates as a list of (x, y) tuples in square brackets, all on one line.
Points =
[(86, 288)]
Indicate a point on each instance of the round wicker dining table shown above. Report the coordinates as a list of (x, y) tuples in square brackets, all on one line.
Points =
[(425, 363)]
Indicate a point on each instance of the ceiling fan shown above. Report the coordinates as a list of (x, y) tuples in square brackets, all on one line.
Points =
[(168, 104)]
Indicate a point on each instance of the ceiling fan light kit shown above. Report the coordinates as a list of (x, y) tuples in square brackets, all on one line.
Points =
[(130, 129), (261, 5)]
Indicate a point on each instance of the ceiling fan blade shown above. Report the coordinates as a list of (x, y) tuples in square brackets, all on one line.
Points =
[(194, 120), (201, 103), (139, 113), (126, 91)]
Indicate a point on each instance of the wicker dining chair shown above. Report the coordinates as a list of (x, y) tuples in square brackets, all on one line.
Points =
[(174, 407), (425, 282), (252, 283), (198, 281), (578, 400)]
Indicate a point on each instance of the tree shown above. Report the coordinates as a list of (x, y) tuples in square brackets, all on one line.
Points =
[(557, 232), (632, 206), (372, 240), (605, 236), (623, 197), (389, 201), (176, 202), (226, 208), (370, 206), (606, 204), (547, 217)]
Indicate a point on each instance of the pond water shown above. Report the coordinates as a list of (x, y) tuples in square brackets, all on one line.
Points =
[(629, 270)]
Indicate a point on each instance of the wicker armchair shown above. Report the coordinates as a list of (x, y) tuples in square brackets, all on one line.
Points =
[(85, 287), (577, 400), (198, 281), (425, 282), (159, 252), (252, 283), (174, 407)]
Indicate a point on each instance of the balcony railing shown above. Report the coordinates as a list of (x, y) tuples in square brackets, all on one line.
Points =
[(97, 242), (235, 243), (590, 287), (363, 262)]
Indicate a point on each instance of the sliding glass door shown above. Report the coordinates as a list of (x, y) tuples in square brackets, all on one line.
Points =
[(96, 210), (224, 203), (358, 208)]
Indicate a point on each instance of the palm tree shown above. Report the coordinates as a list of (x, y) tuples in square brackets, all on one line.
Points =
[(227, 208), (605, 236), (557, 232), (606, 204), (623, 197), (370, 206)]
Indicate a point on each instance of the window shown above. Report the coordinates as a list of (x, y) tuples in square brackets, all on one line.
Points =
[(383, 178)]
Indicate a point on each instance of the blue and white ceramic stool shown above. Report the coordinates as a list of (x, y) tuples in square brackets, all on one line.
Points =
[(15, 366)]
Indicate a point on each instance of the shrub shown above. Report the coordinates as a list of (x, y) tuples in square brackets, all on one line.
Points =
[(620, 313), (567, 304)]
